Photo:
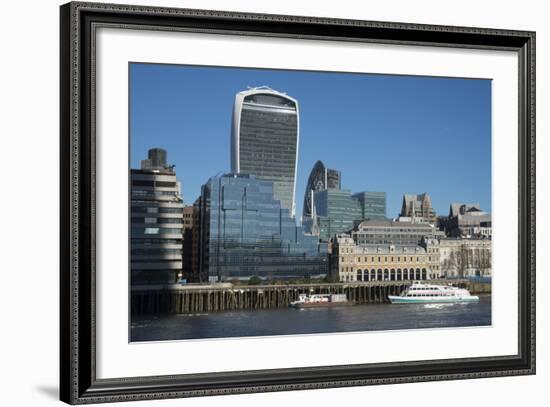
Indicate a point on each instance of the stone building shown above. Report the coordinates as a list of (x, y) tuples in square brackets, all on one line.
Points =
[(187, 243), (467, 220), (418, 208), (352, 262), (465, 257)]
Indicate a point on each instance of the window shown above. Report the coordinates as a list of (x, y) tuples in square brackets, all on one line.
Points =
[(165, 184), (142, 183)]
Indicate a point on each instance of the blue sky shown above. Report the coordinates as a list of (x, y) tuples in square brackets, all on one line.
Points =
[(398, 134)]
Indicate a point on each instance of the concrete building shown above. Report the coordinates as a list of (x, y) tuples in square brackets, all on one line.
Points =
[(156, 209), (418, 208), (393, 232), (245, 232), (264, 140), (467, 220), (465, 257), (372, 204), (352, 262)]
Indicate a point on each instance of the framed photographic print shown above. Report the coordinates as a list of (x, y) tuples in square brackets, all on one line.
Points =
[(256, 203)]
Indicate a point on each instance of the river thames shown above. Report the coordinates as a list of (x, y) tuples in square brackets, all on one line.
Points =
[(369, 317)]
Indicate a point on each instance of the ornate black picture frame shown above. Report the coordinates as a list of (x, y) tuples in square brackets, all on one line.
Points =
[(78, 381)]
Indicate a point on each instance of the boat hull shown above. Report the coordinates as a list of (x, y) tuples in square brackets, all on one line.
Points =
[(322, 304), (394, 299)]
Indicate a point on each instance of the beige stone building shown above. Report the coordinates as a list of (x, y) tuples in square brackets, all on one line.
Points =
[(465, 257), (387, 262)]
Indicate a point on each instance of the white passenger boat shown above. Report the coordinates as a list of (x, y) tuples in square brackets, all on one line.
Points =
[(432, 293)]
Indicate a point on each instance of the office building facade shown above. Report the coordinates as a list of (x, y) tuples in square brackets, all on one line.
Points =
[(264, 140), (393, 232), (156, 210), (336, 212), (373, 204), (245, 232)]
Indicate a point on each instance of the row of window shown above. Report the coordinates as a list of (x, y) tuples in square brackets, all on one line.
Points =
[(145, 209), (142, 252), (145, 183), (359, 271), (419, 276), (155, 231), (157, 220), (347, 269), (149, 241), (352, 260), (142, 193)]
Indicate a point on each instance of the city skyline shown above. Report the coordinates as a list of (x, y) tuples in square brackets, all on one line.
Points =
[(187, 111)]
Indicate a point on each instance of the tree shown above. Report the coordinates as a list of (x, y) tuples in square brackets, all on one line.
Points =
[(254, 280)]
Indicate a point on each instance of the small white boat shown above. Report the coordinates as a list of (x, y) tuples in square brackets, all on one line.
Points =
[(320, 300), (432, 293)]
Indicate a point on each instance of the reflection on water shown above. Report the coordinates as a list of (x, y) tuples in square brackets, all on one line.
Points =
[(373, 317)]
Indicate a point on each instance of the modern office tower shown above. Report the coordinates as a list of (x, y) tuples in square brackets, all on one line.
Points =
[(156, 222), (391, 232), (264, 140), (245, 232), (336, 212), (373, 204), (320, 178), (418, 208)]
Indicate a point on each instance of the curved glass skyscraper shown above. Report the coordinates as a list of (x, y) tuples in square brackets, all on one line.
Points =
[(264, 140), (320, 178)]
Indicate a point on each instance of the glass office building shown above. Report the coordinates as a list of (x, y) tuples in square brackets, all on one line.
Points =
[(264, 140), (320, 178), (337, 211), (373, 204), (245, 232)]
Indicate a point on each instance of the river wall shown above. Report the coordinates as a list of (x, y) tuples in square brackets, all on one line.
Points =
[(191, 299)]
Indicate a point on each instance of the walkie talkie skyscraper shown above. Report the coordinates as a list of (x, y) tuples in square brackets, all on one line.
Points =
[(264, 140)]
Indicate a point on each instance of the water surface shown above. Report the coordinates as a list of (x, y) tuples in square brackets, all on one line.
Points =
[(370, 317)]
